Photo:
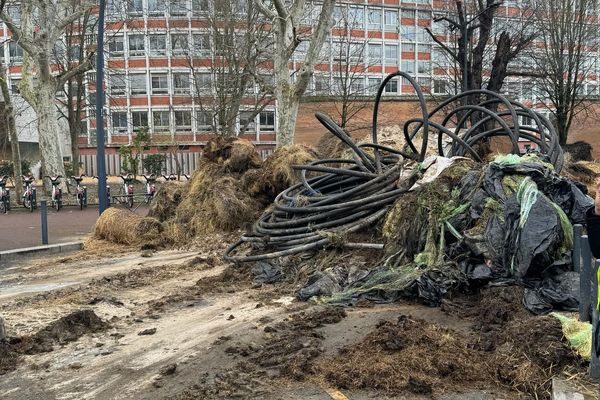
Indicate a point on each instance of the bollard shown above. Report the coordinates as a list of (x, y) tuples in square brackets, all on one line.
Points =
[(585, 289), (2, 330), (44, 214), (576, 257), (595, 361)]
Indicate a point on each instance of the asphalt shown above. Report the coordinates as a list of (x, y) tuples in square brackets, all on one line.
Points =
[(20, 228)]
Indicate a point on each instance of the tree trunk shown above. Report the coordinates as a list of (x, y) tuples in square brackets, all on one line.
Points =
[(48, 133), (287, 111), (9, 115)]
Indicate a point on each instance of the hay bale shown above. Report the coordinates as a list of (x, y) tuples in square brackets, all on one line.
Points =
[(215, 201), (579, 151), (166, 200), (235, 154), (124, 227), (277, 173)]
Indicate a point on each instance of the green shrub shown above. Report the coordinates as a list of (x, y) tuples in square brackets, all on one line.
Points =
[(154, 163)]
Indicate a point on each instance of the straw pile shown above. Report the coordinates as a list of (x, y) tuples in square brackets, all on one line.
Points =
[(584, 172), (166, 200), (277, 173), (124, 227), (235, 155)]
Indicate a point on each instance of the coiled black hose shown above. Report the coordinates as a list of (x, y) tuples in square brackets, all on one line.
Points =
[(322, 210)]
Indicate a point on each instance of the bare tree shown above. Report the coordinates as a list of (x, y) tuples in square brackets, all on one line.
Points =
[(236, 42), (481, 44), (565, 56), (11, 127), (42, 24), (350, 64), (288, 32)]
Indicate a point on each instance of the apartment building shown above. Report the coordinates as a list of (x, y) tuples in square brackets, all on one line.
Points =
[(149, 81)]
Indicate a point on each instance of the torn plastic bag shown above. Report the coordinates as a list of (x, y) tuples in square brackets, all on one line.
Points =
[(569, 197), (267, 272), (557, 293), (321, 283)]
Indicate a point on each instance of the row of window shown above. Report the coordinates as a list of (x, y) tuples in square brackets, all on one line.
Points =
[(137, 84), (182, 121)]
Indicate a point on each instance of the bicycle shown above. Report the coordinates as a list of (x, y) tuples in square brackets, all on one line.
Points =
[(171, 177), (81, 191), (126, 191), (187, 177), (56, 192), (150, 187), (4, 195), (107, 190), (30, 194)]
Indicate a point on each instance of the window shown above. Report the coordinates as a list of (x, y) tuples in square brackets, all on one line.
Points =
[(408, 47), (424, 82), (137, 47), (321, 84), (179, 44), (158, 45), (374, 15), (14, 86), (391, 54), (116, 47), (373, 85), (267, 121), (391, 87), (203, 81), (424, 14), (374, 54), (407, 13), (408, 66), (178, 8), (200, 6), (119, 122), (424, 67), (204, 121), (183, 121), (422, 35), (246, 118), (357, 85), (160, 121), (408, 33), (160, 84), (391, 20), (356, 17), (156, 7), (300, 51), (438, 28), (135, 7), (138, 84), (139, 119), (440, 86), (181, 83), (15, 51), (202, 45), (118, 84), (424, 48), (14, 11)]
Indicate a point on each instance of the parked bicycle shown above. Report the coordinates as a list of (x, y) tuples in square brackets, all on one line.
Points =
[(187, 177), (30, 194), (150, 187), (107, 190), (56, 192), (126, 191), (4, 195), (171, 177), (81, 191)]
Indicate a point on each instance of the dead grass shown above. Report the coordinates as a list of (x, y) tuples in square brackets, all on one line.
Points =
[(125, 227), (235, 154), (166, 200)]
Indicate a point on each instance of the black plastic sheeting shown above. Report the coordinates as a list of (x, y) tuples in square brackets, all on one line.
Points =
[(513, 249)]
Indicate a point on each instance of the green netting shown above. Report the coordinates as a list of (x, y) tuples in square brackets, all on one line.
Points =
[(579, 334), (513, 159)]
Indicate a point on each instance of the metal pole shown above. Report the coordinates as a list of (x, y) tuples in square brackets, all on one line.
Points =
[(576, 257), (595, 361), (44, 216), (585, 289), (100, 154)]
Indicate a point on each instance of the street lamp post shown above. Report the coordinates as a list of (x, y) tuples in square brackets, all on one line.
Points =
[(100, 154)]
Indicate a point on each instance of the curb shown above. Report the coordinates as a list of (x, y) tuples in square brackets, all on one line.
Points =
[(52, 249)]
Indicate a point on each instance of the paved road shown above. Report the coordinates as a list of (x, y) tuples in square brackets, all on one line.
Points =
[(20, 228)]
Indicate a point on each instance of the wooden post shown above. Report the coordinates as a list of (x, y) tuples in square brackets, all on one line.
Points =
[(585, 289)]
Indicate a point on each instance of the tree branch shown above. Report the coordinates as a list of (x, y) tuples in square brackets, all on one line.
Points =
[(81, 68), (17, 34), (442, 45), (264, 9)]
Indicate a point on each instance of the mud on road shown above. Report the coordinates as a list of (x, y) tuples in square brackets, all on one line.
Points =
[(184, 325)]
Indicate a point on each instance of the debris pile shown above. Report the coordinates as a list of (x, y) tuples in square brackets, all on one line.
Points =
[(125, 227)]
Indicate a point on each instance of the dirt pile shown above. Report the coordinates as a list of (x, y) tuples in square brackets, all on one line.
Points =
[(60, 332), (407, 355), (125, 227), (411, 355)]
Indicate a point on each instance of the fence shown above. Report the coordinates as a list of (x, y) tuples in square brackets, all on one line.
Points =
[(187, 161), (588, 289)]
